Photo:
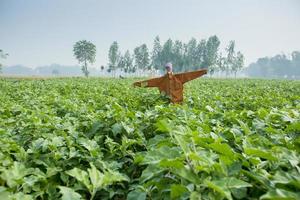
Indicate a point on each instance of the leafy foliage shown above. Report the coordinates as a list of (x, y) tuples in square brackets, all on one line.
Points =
[(278, 66), (231, 139), (85, 52)]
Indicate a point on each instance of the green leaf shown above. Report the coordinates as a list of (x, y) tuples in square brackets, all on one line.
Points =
[(187, 174), (195, 196), (136, 195), (171, 163), (177, 190), (4, 194), (239, 193), (164, 152), (111, 177), (233, 182), (222, 148), (224, 185), (244, 127), (163, 125), (81, 176), (69, 193), (20, 196), (150, 172), (279, 194), (15, 175), (219, 187), (94, 129), (127, 128), (117, 128), (96, 178), (259, 153)]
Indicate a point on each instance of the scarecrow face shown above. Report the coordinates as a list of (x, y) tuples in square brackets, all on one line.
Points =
[(169, 69)]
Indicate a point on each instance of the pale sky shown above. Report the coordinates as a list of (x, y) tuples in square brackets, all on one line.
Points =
[(42, 32)]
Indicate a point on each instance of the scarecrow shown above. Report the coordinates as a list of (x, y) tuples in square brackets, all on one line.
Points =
[(171, 84)]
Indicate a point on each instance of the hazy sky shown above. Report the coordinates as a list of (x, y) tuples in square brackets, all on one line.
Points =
[(41, 32)]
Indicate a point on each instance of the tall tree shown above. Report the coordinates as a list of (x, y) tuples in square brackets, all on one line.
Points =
[(295, 64), (156, 60), (280, 65), (113, 57), (128, 62), (141, 55), (145, 57), (2, 56), (221, 63), (166, 53), (85, 52), (238, 63), (121, 63), (177, 52), (264, 66), (201, 53), (211, 52), (230, 59), (192, 55)]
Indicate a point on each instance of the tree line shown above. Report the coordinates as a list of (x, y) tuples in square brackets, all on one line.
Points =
[(188, 56), (278, 66)]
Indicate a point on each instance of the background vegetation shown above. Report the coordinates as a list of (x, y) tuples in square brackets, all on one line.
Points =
[(97, 138)]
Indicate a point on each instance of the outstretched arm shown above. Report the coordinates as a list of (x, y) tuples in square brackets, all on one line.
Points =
[(155, 82), (188, 76)]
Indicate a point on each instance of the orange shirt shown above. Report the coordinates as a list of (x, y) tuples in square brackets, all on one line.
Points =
[(172, 84)]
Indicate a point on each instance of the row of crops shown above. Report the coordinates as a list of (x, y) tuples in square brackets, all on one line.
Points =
[(95, 138)]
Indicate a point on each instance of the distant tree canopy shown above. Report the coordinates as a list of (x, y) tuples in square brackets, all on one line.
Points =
[(2, 56), (55, 72), (85, 53), (276, 67), (188, 56), (113, 57)]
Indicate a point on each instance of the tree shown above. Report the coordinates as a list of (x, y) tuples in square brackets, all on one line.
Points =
[(85, 52), (128, 62), (121, 63), (156, 54), (166, 53), (178, 58), (277, 66), (263, 65), (261, 68), (280, 65), (211, 53), (137, 58), (142, 60), (2, 56), (230, 59), (295, 64), (145, 57), (238, 63), (192, 56), (113, 57), (221, 63), (201, 52), (55, 72)]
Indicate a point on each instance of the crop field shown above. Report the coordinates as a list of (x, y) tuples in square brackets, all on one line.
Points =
[(79, 138)]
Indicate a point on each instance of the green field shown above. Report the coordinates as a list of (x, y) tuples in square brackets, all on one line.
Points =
[(78, 138)]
